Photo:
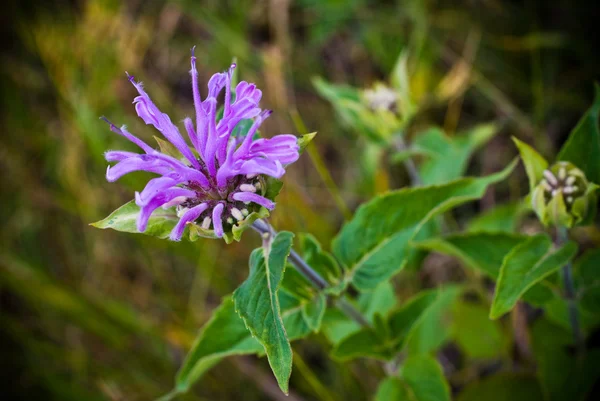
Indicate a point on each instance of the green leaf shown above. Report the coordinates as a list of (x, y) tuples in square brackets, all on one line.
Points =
[(381, 300), (354, 114), (304, 140), (402, 321), (557, 311), (502, 218), (337, 326), (583, 146), (534, 163), (364, 343), (124, 219), (482, 251), (273, 187), (223, 335), (425, 378), (485, 252), (374, 245), (527, 264), (313, 312), (477, 335), (257, 303), (168, 148), (393, 389), (448, 156), (587, 267), (503, 387), (238, 229), (432, 329), (401, 83), (562, 375), (242, 128), (322, 262), (410, 326)]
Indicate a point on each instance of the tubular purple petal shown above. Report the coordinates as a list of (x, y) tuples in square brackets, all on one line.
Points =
[(148, 112), (245, 146), (118, 155), (132, 138), (197, 105), (216, 220), (281, 147), (189, 127), (135, 164), (227, 104), (190, 215), (154, 188), (251, 197)]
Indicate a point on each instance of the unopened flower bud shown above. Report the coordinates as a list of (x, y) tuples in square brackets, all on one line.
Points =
[(562, 197)]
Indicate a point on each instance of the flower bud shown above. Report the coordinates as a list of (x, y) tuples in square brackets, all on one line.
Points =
[(563, 196)]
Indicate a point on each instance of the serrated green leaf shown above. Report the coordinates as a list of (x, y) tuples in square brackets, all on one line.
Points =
[(503, 387), (374, 245), (124, 219), (527, 264), (534, 163), (223, 335), (583, 146), (257, 302), (448, 156), (425, 378), (304, 141)]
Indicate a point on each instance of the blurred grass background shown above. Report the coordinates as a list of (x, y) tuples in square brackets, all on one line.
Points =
[(100, 315)]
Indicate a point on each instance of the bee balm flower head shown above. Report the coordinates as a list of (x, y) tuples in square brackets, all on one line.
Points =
[(219, 180)]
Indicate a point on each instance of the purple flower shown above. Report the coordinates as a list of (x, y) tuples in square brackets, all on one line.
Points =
[(219, 181)]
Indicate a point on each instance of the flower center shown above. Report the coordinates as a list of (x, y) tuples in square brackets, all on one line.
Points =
[(564, 182)]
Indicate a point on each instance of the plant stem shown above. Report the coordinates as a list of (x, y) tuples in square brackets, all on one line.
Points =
[(315, 278), (411, 168), (569, 293), (349, 310)]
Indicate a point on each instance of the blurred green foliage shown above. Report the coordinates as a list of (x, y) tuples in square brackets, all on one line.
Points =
[(90, 314)]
